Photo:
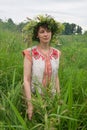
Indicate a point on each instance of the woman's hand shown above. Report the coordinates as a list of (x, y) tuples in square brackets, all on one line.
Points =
[(30, 111), (27, 86)]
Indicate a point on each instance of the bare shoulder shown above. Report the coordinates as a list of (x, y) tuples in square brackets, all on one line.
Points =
[(27, 53), (30, 48), (56, 50)]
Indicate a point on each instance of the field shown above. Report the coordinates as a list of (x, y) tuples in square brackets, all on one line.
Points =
[(67, 112)]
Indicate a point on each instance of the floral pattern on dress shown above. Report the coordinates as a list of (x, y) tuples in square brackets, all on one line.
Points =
[(49, 63), (54, 54), (37, 55)]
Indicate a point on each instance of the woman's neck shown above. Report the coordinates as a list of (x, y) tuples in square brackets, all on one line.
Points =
[(44, 46)]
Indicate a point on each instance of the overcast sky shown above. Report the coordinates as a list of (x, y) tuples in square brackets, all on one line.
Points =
[(72, 11)]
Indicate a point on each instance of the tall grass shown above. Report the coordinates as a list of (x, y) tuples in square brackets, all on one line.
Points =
[(65, 112)]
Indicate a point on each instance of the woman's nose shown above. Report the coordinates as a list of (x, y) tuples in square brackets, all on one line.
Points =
[(45, 33)]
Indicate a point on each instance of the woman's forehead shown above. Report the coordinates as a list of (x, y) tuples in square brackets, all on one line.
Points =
[(43, 28)]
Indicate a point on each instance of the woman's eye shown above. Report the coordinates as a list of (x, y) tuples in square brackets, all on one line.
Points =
[(48, 31), (41, 31), (44, 31)]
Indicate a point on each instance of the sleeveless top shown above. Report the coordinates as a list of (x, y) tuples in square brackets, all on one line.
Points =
[(44, 67)]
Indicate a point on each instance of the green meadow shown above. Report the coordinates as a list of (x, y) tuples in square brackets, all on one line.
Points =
[(67, 112)]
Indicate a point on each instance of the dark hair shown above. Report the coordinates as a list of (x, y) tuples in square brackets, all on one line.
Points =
[(48, 23)]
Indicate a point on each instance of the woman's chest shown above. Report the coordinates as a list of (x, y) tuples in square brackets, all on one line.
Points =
[(39, 64)]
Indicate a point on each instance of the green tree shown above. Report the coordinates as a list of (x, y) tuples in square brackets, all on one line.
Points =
[(71, 29), (11, 25), (79, 30), (67, 30), (85, 33), (20, 26)]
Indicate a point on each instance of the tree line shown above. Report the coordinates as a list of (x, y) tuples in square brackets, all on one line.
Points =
[(69, 28)]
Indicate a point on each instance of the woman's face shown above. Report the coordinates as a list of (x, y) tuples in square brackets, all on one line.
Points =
[(44, 35)]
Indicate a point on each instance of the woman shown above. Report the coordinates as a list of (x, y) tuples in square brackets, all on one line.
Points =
[(41, 62)]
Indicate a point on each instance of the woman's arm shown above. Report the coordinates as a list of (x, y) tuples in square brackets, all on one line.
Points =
[(27, 83), (57, 85)]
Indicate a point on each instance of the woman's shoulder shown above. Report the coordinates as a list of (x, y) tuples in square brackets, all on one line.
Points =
[(56, 50), (30, 48), (28, 52)]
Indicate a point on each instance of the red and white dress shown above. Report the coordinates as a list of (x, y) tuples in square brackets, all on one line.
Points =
[(44, 67)]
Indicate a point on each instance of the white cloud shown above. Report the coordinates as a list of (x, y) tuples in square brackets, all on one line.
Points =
[(73, 11)]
